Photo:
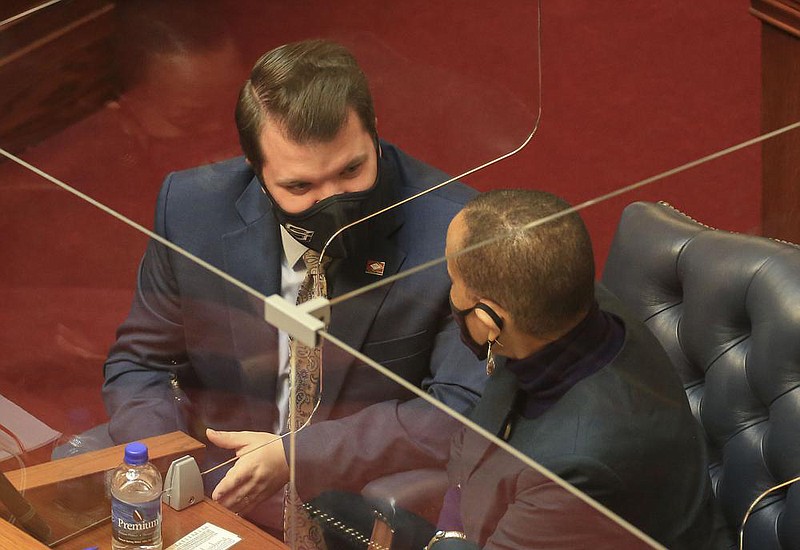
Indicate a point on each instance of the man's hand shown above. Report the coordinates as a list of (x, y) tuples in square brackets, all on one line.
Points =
[(256, 475)]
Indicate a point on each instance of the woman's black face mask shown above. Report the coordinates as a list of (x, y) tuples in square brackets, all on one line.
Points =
[(314, 226), (460, 316)]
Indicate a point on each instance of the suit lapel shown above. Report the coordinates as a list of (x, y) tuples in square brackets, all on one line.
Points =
[(352, 318), (491, 413), (252, 256)]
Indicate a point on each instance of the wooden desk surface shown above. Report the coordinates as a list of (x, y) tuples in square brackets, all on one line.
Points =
[(175, 525), (178, 524), (47, 484)]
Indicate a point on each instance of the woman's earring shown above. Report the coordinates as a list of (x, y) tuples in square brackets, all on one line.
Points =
[(490, 362)]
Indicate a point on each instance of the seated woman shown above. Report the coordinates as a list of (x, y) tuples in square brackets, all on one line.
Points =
[(586, 391)]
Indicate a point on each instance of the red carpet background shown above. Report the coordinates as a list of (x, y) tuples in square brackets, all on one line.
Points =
[(629, 90)]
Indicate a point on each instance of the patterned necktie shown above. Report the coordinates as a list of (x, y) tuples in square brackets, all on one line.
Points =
[(300, 530)]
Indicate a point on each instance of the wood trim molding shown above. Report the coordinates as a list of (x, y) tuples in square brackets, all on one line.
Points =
[(162, 449), (55, 35), (783, 14), (57, 67)]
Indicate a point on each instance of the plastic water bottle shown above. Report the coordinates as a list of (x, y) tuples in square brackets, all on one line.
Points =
[(136, 502)]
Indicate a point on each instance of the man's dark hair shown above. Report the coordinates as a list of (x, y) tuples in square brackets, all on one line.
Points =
[(544, 276), (308, 87)]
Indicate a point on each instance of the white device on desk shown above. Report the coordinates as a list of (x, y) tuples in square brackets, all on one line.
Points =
[(184, 484)]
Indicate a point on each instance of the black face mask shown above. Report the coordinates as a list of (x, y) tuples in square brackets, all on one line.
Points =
[(313, 227), (460, 316)]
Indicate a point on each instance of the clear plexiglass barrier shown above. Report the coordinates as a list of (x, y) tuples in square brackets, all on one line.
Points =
[(151, 274)]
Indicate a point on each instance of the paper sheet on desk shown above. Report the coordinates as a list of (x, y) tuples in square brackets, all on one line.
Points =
[(29, 430), (207, 537)]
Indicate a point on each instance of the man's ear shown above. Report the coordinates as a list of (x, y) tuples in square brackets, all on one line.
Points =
[(491, 325)]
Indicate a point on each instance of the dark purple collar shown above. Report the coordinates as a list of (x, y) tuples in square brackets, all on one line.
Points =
[(545, 376)]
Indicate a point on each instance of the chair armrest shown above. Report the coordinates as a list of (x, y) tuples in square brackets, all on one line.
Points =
[(455, 544), (417, 491)]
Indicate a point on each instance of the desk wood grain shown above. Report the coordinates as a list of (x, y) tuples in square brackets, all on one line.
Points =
[(178, 524), (163, 449), (48, 484)]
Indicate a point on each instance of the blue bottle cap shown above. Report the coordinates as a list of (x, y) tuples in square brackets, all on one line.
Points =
[(136, 453)]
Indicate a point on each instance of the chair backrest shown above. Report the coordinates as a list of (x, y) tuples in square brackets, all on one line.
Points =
[(726, 307)]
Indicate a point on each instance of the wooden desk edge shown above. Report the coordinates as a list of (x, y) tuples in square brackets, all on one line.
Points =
[(11, 537), (169, 445), (185, 521), (160, 447)]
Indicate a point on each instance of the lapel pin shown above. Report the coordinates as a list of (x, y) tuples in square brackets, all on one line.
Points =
[(375, 268)]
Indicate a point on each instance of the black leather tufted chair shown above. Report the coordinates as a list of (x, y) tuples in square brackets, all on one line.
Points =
[(726, 307)]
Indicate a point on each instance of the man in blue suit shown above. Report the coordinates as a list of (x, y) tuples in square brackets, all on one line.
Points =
[(195, 352)]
